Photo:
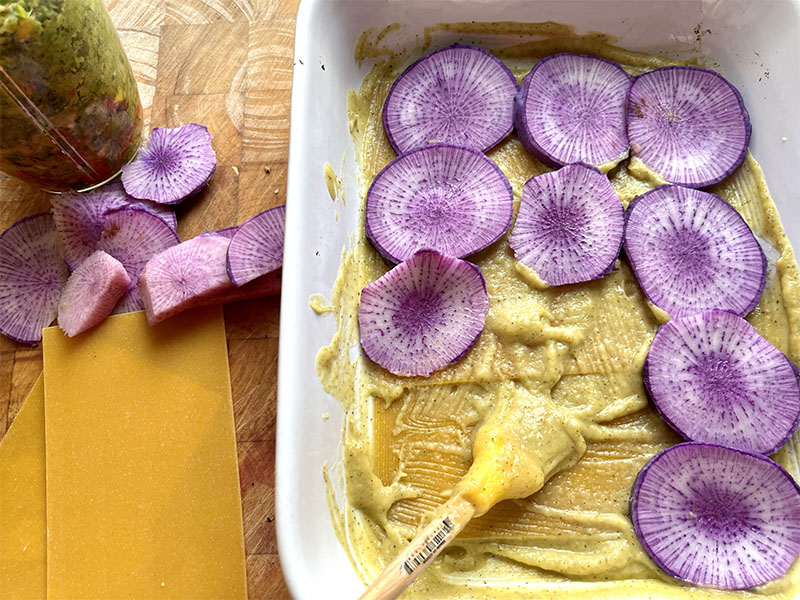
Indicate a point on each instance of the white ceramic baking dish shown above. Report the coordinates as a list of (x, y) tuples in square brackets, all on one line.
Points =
[(756, 43)]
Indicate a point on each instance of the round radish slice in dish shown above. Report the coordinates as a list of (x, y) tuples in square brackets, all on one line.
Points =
[(176, 164), (571, 108), (32, 276), (461, 95), (257, 246), (424, 314), (569, 226), (717, 516), (687, 124), (691, 251), (714, 379), (441, 197)]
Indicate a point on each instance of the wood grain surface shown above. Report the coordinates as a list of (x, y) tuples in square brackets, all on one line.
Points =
[(228, 65)]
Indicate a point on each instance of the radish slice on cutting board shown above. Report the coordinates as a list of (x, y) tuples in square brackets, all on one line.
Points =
[(716, 516), (460, 95), (714, 378), (691, 251), (569, 226), (256, 246), (571, 108), (443, 197), (687, 124)]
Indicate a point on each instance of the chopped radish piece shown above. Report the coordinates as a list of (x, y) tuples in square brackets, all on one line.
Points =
[(424, 314), (176, 164), (569, 226), (227, 232), (717, 516), (256, 248), (714, 379), (91, 293), (691, 251), (32, 275), (571, 108), (687, 124), (441, 197), (460, 95)]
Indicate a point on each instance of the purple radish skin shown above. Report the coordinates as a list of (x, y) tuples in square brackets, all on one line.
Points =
[(571, 108), (256, 247), (442, 197), (32, 277), (569, 226), (424, 314), (688, 124), (716, 516), (459, 95), (91, 293), (691, 252)]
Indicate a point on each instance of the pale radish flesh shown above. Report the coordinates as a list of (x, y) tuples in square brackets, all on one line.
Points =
[(714, 378), (424, 314), (256, 246), (460, 95), (442, 197), (32, 276), (716, 516), (571, 108), (691, 251), (569, 225), (91, 293), (688, 124)]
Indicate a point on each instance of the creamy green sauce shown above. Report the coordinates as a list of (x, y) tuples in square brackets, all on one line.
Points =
[(556, 372)]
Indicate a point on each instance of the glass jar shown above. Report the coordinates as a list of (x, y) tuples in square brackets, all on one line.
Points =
[(70, 114)]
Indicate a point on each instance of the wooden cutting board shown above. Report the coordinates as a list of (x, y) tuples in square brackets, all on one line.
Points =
[(228, 65)]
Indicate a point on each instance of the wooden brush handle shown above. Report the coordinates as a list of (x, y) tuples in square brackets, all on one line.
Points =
[(450, 519)]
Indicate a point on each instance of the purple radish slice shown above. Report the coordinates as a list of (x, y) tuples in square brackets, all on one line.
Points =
[(687, 124), (423, 314), (571, 108), (713, 378), (32, 276), (176, 164), (569, 226), (227, 232), (691, 251), (717, 516), (459, 95), (441, 197), (256, 248), (91, 293)]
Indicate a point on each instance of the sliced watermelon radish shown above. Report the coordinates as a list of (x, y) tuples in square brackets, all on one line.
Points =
[(688, 124), (424, 314), (32, 276), (256, 247), (460, 95), (571, 108), (715, 379), (91, 293), (691, 251), (569, 226), (176, 164), (716, 516), (441, 197)]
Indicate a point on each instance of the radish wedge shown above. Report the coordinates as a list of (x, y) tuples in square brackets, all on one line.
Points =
[(714, 379), (442, 197), (424, 314), (176, 164), (569, 226), (256, 247), (91, 293), (571, 108), (688, 124), (716, 516), (691, 251), (459, 95), (32, 276)]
